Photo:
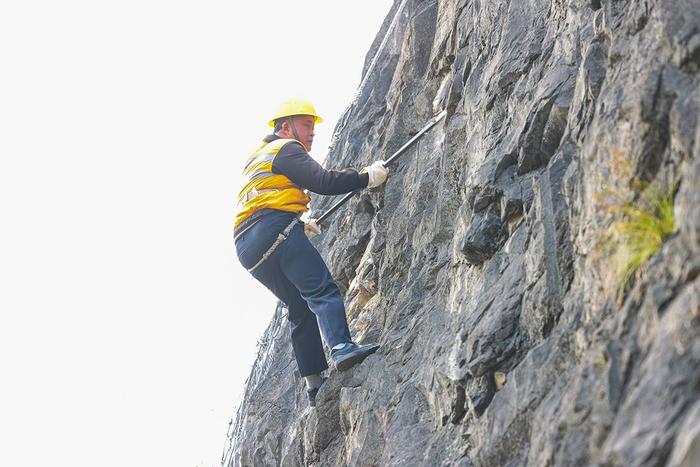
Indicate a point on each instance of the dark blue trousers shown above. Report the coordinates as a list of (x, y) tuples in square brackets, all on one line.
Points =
[(299, 277)]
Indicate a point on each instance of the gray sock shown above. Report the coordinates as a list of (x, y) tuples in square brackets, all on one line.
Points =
[(313, 381), (340, 346)]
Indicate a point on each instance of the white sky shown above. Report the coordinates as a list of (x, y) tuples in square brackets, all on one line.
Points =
[(127, 325)]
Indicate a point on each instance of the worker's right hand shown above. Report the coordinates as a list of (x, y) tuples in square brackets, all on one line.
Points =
[(377, 174), (311, 228)]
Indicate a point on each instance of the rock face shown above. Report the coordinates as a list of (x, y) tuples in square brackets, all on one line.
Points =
[(475, 264)]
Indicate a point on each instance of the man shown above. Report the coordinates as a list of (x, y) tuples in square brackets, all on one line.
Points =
[(272, 243)]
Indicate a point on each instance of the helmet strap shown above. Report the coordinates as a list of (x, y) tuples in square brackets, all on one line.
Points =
[(293, 127)]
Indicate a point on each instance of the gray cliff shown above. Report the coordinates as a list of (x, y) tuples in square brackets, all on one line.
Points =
[(476, 265)]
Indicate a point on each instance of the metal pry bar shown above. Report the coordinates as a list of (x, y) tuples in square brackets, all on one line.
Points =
[(393, 157)]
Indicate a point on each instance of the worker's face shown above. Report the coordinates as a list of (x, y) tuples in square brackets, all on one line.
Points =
[(304, 125)]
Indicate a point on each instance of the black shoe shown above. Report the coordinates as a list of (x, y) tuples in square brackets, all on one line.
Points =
[(352, 354), (312, 393)]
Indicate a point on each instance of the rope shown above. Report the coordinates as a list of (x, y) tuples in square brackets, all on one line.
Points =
[(343, 120), (280, 238), (389, 30)]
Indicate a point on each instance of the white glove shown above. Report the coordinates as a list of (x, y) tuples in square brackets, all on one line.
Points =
[(377, 174), (311, 228)]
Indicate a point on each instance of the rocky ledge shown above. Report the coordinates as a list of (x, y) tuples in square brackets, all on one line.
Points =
[(479, 267)]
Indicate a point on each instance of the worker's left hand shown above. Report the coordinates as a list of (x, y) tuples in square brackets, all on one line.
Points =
[(377, 174), (311, 228)]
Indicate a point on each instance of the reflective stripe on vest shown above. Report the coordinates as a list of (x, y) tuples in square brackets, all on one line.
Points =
[(265, 189)]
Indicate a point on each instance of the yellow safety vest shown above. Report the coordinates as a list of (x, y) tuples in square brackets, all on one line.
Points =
[(264, 189)]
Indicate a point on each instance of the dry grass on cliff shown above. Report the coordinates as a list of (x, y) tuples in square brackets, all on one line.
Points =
[(638, 225)]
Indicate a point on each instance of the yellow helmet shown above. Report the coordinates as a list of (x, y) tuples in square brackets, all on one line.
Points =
[(295, 107)]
